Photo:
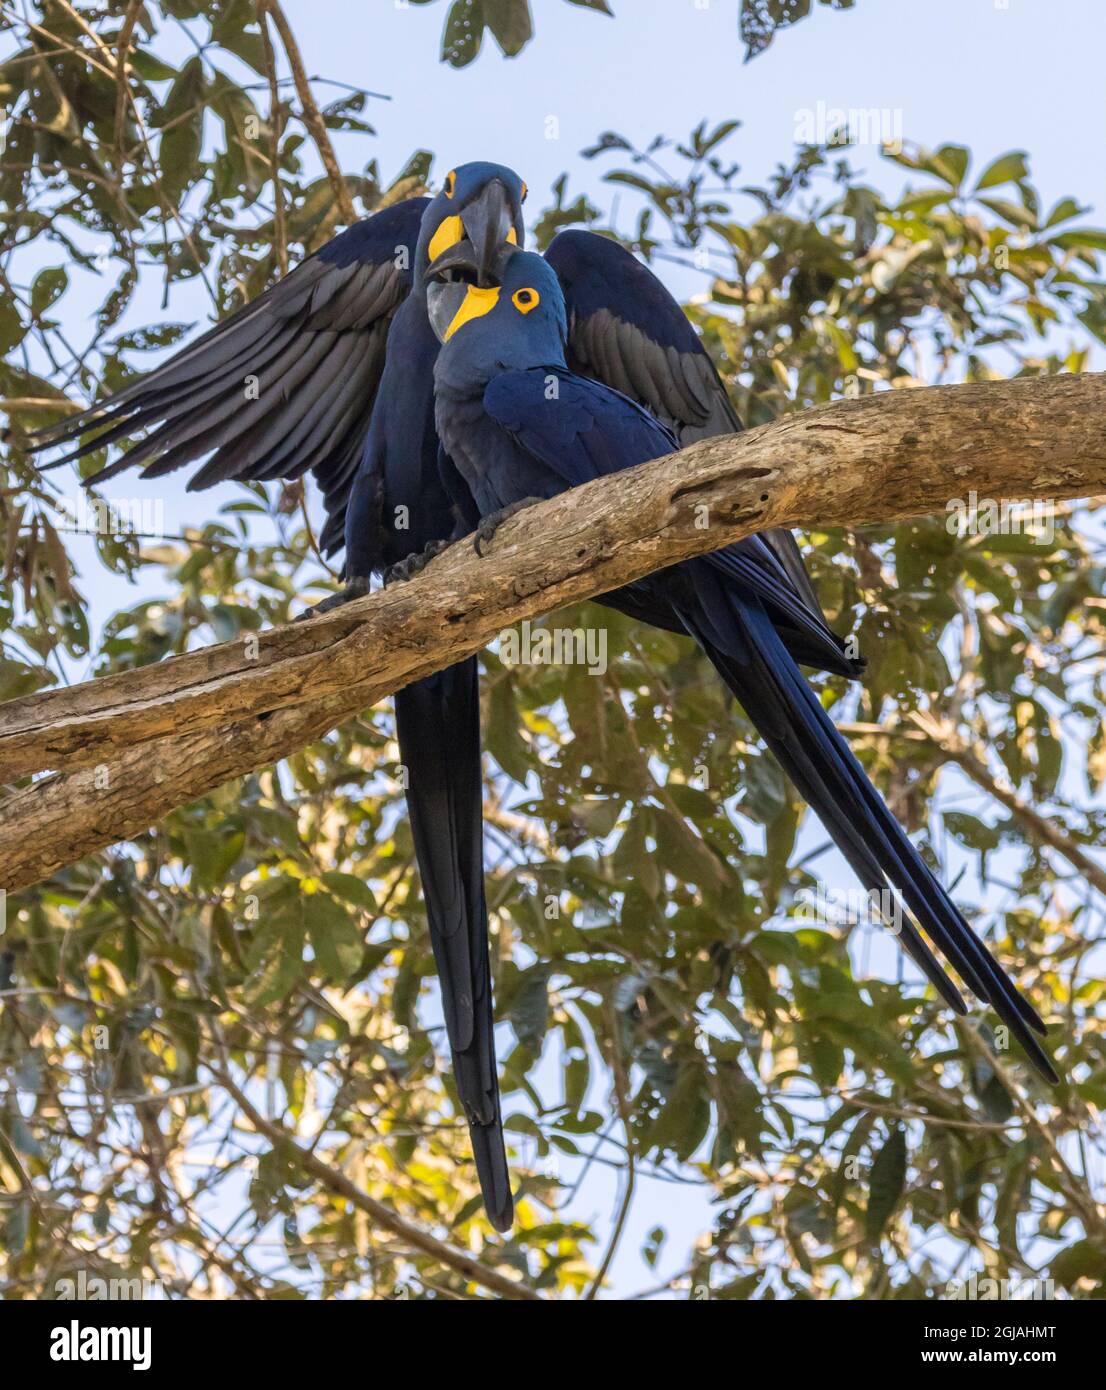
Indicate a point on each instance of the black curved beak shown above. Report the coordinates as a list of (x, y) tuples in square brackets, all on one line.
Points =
[(443, 299), (460, 268), (460, 264), (487, 222), (457, 262)]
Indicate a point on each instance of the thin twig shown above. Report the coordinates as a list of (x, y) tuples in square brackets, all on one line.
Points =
[(279, 229), (618, 1072), (448, 1255), (311, 115), (122, 50)]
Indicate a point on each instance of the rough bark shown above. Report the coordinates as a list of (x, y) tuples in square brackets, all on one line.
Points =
[(166, 734)]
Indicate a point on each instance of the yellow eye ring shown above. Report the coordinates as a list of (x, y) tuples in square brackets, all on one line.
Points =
[(525, 190), (525, 300), (450, 183)]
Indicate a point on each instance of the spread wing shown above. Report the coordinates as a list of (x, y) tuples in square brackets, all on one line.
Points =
[(284, 385), (627, 331)]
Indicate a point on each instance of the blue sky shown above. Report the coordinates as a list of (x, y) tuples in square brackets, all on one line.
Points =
[(1022, 75)]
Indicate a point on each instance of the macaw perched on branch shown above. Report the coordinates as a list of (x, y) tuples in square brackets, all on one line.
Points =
[(342, 355), (519, 425)]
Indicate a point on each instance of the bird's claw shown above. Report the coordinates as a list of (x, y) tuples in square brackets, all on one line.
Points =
[(356, 588), (414, 564), (489, 525)]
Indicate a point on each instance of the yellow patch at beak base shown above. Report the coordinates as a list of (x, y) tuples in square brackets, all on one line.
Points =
[(447, 235), (476, 303)]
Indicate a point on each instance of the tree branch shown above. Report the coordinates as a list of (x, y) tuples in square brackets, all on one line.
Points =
[(226, 710), (336, 1181), (279, 228), (970, 757), (122, 52)]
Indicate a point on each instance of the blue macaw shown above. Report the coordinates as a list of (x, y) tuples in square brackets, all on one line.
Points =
[(519, 425), (342, 354)]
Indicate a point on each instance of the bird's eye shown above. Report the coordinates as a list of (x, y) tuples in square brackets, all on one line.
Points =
[(525, 190), (450, 183), (525, 300)]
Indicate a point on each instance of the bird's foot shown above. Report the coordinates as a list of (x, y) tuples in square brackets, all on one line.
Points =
[(489, 525), (414, 564), (356, 588)]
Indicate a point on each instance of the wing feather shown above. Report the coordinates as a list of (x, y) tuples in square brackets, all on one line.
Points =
[(315, 344), (626, 331)]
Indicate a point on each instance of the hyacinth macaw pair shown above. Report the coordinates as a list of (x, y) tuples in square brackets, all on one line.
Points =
[(408, 365)]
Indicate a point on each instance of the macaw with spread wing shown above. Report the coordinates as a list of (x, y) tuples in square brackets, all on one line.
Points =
[(520, 426)]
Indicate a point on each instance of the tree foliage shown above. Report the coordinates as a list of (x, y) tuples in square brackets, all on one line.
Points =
[(760, 19), (672, 1010), (511, 24)]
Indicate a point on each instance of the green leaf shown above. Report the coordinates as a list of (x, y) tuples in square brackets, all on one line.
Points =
[(1086, 1259), (685, 1115), (653, 1245), (1013, 213), (21, 1136), (48, 287), (1008, 168), (722, 131), (530, 1007), (279, 953), (1086, 238), (350, 888), (632, 860), (211, 854), (149, 67), (182, 142), (11, 325), (464, 32), (1064, 211), (971, 831), (766, 794), (17, 1225), (950, 162), (682, 852), (230, 28), (761, 18), (501, 736), (334, 936), (739, 1105), (510, 23), (885, 1185)]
